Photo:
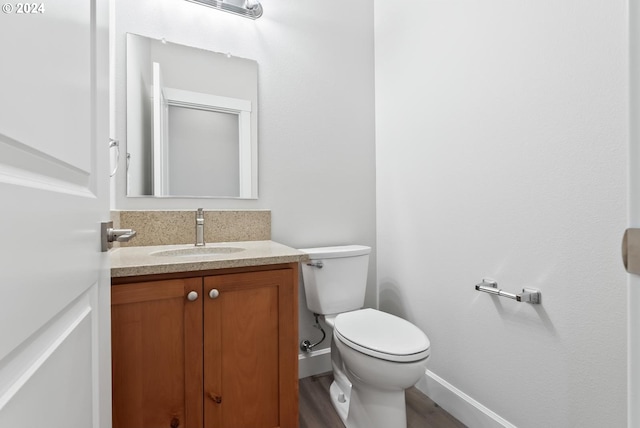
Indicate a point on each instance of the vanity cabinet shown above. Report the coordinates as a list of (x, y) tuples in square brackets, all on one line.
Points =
[(217, 350)]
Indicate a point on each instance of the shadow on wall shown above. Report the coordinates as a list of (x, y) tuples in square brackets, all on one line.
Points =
[(390, 299), (524, 314), (393, 301)]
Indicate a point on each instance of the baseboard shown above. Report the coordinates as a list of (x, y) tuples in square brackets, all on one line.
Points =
[(314, 363), (460, 405)]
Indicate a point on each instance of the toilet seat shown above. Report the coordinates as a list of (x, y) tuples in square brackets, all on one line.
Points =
[(382, 335)]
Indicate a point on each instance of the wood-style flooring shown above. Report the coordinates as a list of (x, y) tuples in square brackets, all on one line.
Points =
[(316, 410)]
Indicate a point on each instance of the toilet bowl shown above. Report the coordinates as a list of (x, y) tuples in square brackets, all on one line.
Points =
[(381, 355), (375, 356)]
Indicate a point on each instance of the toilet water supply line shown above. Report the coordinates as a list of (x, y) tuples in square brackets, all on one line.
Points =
[(306, 345)]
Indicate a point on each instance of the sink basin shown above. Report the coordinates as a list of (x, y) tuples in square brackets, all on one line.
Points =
[(197, 251)]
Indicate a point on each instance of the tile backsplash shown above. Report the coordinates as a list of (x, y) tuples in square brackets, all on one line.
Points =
[(179, 227)]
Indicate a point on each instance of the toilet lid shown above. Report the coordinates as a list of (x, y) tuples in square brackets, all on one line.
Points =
[(382, 335)]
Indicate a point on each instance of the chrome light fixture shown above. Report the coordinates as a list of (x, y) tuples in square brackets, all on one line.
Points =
[(251, 9)]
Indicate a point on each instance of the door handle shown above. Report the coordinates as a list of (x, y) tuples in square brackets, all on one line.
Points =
[(631, 250), (110, 235)]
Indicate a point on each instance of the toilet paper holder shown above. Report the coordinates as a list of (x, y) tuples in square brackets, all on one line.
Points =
[(529, 295)]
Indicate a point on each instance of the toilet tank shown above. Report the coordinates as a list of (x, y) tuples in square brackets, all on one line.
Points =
[(340, 284)]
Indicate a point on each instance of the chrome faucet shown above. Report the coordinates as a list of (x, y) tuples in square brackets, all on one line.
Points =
[(199, 228)]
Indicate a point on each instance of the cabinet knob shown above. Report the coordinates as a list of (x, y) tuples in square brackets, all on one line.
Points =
[(193, 295), (214, 293)]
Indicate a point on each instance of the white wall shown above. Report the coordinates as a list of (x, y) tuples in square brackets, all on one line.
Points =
[(633, 333), (140, 112), (501, 138), (316, 113)]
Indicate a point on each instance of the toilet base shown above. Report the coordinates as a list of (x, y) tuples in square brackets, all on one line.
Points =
[(369, 408), (340, 401), (373, 408)]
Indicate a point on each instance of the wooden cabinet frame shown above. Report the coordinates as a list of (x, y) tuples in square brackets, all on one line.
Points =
[(219, 353)]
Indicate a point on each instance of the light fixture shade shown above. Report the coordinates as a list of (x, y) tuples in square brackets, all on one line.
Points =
[(251, 9)]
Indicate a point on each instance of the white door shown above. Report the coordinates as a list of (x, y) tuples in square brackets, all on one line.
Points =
[(633, 402), (54, 284)]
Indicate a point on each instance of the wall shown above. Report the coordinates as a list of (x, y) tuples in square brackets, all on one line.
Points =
[(501, 136), (138, 106), (316, 121), (633, 290)]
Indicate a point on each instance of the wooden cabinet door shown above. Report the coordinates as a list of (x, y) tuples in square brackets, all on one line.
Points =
[(157, 354), (250, 351)]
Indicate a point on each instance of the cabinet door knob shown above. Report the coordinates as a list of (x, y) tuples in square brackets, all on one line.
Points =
[(193, 295), (214, 293)]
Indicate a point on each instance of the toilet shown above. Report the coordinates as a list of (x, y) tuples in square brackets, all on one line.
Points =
[(375, 356)]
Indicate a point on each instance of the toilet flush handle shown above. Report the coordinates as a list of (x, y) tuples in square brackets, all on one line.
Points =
[(317, 264)]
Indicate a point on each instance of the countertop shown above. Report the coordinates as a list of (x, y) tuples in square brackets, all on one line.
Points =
[(135, 261)]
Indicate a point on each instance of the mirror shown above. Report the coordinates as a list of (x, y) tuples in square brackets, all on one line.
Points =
[(192, 122)]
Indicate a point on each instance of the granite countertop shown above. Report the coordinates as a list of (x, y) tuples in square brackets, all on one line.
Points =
[(134, 261)]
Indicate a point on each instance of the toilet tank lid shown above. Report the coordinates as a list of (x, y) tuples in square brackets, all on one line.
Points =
[(337, 251)]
